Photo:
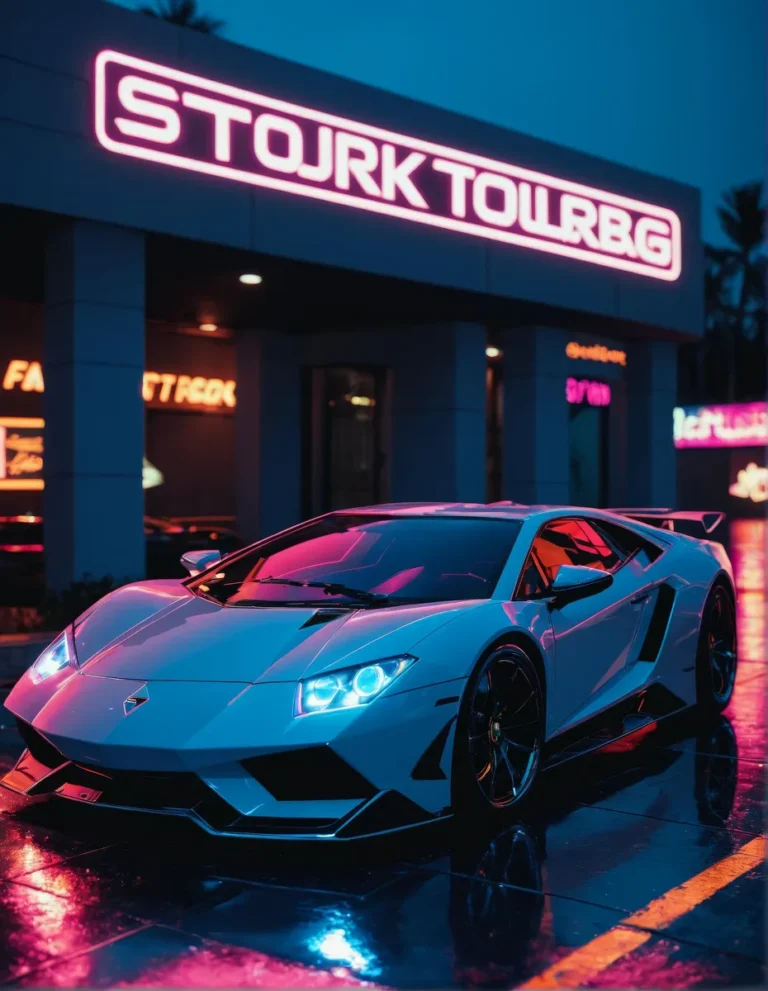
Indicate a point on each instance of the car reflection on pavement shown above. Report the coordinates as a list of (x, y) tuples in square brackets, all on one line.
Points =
[(100, 899)]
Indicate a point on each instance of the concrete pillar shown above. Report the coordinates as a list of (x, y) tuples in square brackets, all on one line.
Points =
[(268, 462), (438, 414), (535, 445), (93, 361), (651, 393)]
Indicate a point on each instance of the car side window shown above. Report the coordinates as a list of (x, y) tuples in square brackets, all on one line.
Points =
[(532, 582), (628, 543), (606, 555), (561, 542)]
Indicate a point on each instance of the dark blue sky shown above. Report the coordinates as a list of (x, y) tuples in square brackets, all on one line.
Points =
[(675, 87)]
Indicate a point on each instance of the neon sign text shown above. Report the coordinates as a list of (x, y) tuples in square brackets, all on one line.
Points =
[(197, 390), (595, 352), (585, 390), (157, 387), (21, 453), (731, 425), (152, 112)]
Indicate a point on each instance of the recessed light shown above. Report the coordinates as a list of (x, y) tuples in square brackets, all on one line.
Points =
[(492, 352), (208, 326), (251, 279)]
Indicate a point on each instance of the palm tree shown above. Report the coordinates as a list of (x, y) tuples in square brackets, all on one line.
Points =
[(742, 218), (735, 279), (184, 13)]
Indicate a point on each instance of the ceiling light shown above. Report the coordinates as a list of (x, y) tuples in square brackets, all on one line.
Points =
[(250, 279), (208, 326), (492, 352)]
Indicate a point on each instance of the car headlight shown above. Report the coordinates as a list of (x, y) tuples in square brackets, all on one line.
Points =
[(350, 687), (57, 656)]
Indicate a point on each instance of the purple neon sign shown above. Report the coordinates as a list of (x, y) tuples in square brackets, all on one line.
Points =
[(162, 115), (587, 391), (729, 425)]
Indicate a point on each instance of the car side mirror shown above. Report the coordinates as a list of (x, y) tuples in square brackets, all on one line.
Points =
[(576, 582), (196, 561)]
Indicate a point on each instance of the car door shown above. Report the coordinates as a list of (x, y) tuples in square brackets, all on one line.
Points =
[(593, 635)]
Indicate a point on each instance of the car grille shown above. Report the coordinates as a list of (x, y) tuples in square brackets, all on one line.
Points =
[(308, 774)]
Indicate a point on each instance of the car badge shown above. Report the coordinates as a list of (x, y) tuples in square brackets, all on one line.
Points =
[(134, 701)]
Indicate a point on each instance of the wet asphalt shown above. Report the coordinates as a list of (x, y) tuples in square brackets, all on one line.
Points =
[(92, 898)]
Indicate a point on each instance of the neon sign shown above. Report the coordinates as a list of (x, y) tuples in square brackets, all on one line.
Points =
[(585, 390), (21, 453), (732, 425), (152, 112), (28, 375), (195, 390), (158, 388), (595, 352), (21, 457)]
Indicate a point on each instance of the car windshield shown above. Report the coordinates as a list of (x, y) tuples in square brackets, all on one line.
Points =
[(367, 561)]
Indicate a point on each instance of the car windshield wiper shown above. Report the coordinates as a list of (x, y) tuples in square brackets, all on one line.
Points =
[(330, 588)]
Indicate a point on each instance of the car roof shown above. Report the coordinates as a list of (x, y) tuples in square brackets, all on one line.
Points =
[(465, 510)]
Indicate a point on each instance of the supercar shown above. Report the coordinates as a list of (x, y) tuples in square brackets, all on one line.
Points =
[(380, 668)]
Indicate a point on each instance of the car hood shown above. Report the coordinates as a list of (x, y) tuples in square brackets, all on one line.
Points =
[(171, 635)]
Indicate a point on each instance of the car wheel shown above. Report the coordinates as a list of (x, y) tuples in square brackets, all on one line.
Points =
[(499, 734), (717, 652)]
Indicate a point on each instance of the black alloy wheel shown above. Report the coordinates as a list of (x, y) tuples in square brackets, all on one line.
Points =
[(717, 654), (500, 733)]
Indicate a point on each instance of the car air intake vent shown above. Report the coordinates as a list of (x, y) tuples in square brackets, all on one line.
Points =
[(657, 628), (38, 746), (324, 616), (312, 774)]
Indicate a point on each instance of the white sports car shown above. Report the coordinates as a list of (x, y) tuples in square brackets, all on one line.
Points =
[(375, 669)]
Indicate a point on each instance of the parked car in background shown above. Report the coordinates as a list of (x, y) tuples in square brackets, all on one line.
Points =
[(22, 572)]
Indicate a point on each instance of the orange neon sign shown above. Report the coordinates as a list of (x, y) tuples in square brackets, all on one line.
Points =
[(595, 352), (21, 453), (157, 387)]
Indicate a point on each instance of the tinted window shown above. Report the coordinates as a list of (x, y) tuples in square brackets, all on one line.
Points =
[(575, 542), (626, 542), (408, 559)]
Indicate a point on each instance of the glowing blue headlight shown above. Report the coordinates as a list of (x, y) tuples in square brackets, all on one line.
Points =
[(53, 659), (351, 687)]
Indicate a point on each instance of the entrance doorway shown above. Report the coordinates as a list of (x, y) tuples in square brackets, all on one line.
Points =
[(348, 435), (588, 444)]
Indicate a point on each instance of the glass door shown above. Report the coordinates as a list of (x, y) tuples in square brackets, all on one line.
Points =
[(588, 436), (349, 444)]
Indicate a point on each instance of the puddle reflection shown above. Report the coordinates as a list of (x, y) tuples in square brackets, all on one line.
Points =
[(747, 551)]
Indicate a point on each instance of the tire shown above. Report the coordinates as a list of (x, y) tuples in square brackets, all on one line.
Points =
[(499, 736), (717, 652)]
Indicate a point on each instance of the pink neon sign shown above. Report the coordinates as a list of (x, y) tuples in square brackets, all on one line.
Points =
[(152, 112), (730, 425), (586, 390)]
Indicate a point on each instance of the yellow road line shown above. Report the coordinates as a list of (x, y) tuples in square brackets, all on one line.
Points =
[(589, 960)]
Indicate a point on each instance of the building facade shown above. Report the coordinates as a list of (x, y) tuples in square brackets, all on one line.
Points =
[(240, 286)]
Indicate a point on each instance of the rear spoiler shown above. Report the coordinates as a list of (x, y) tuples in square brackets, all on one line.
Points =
[(683, 521)]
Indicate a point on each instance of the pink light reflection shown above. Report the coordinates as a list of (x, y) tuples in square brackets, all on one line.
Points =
[(217, 965), (747, 552), (654, 966)]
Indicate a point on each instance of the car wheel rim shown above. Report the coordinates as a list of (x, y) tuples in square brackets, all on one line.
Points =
[(721, 640), (504, 723)]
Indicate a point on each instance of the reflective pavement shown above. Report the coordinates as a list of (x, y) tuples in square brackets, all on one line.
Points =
[(88, 898)]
